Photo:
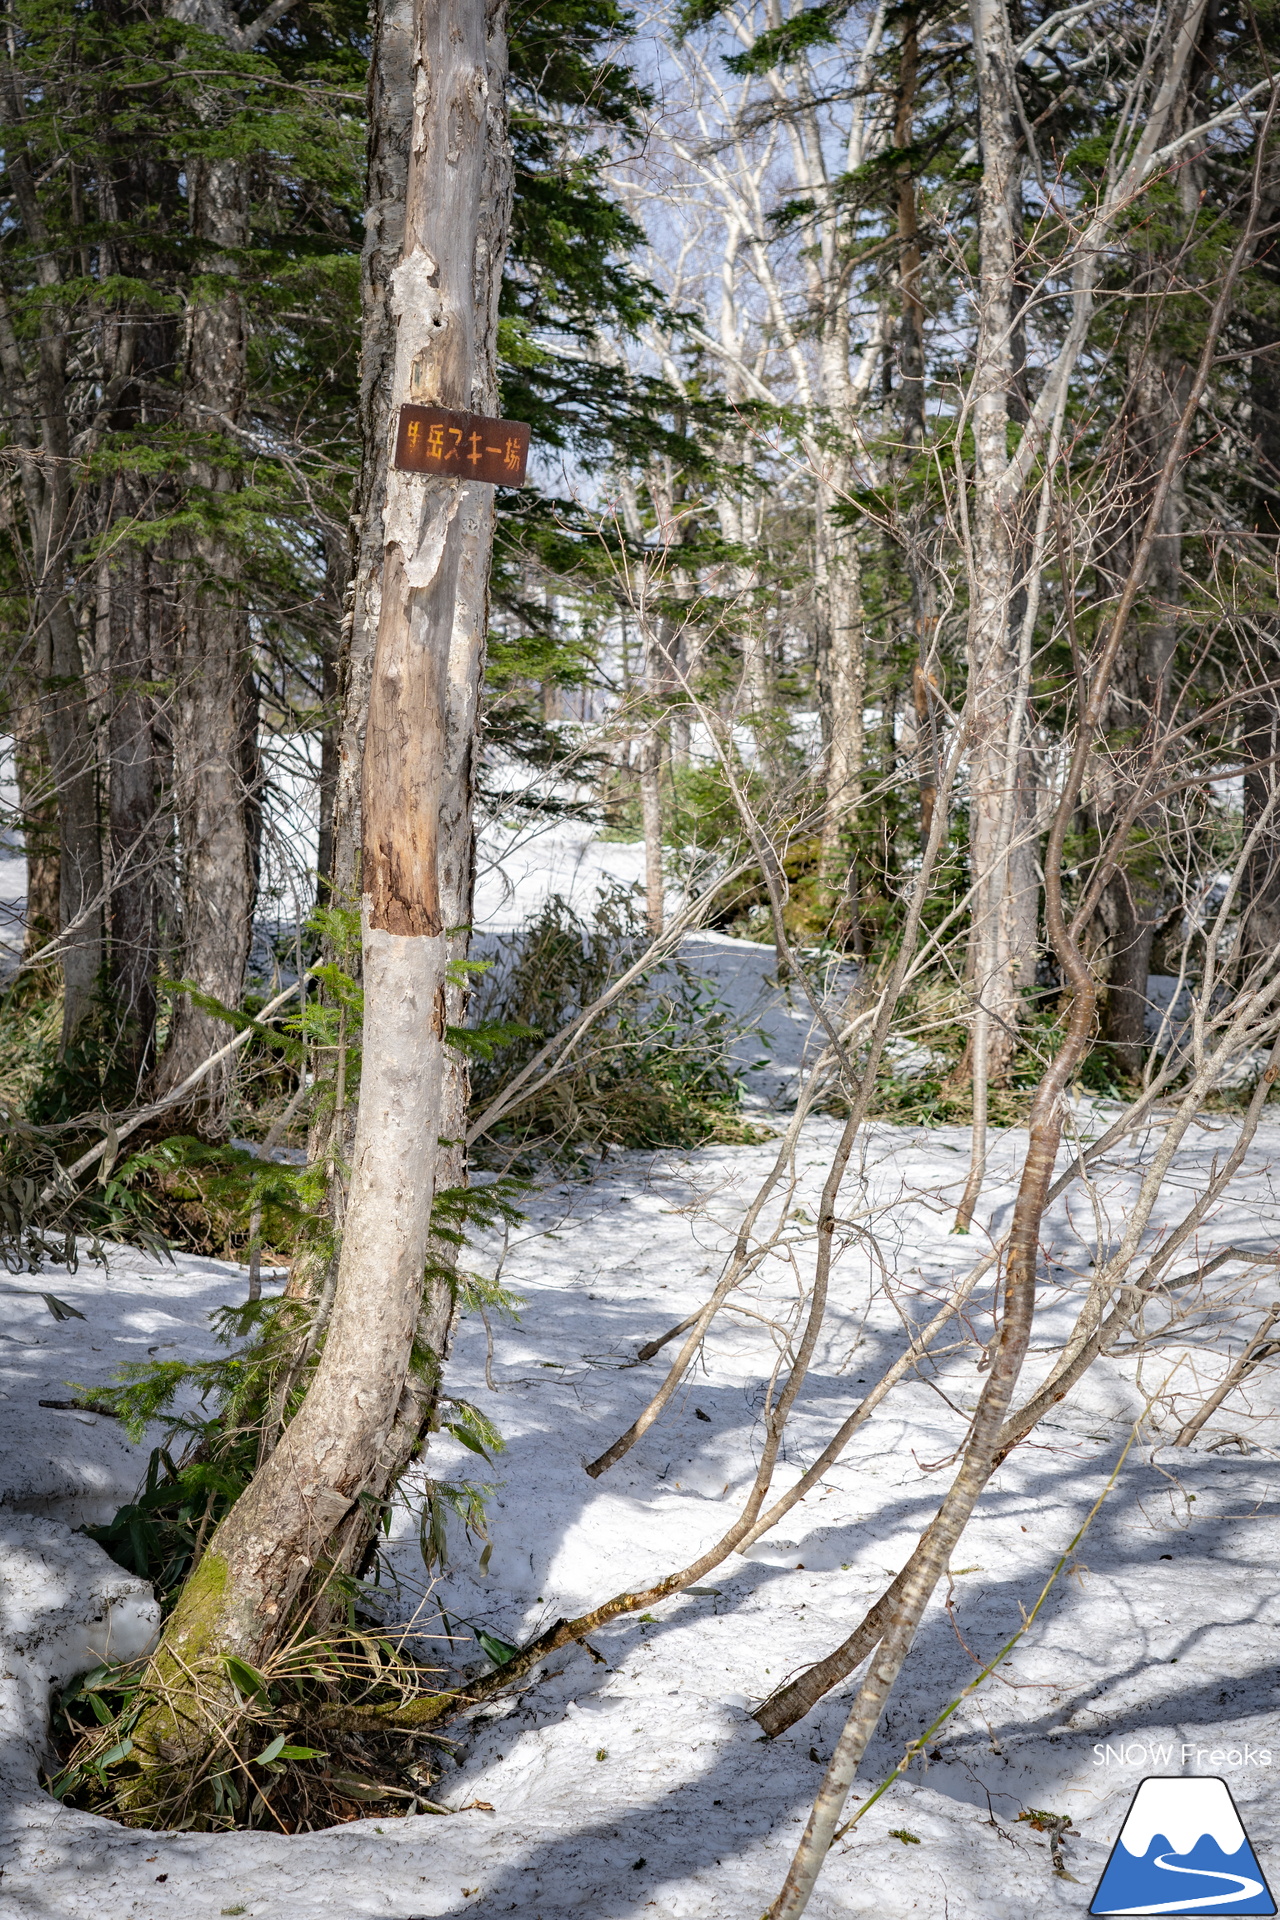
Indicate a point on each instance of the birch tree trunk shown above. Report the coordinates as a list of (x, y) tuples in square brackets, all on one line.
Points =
[(828, 390), (1003, 931), (739, 514), (841, 636), (651, 775), (302, 1503), (652, 680), (843, 682), (464, 649), (391, 125), (998, 956), (842, 650)]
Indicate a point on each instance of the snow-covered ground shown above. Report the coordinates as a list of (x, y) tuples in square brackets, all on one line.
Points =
[(639, 1788), (518, 867)]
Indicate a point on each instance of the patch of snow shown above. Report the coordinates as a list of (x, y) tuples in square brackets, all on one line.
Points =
[(76, 1466), (640, 1788), (774, 1033), (518, 868), (908, 1060), (64, 1608)]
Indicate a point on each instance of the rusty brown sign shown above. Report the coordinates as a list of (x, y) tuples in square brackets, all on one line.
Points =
[(462, 445)]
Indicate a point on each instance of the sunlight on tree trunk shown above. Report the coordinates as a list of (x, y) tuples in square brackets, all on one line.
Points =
[(290, 1521)]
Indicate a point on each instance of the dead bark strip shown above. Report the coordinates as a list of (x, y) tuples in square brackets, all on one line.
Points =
[(391, 119)]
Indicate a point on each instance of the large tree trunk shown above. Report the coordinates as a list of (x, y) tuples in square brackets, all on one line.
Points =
[(36, 402), (1261, 745), (391, 122), (455, 858), (73, 757), (415, 809), (38, 415), (213, 722), (133, 812), (139, 359), (38, 816), (911, 426), (391, 117), (1002, 942), (842, 653)]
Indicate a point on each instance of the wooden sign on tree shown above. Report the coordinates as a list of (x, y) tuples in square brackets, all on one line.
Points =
[(464, 446)]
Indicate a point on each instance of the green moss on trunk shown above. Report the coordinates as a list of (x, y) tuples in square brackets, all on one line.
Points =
[(183, 1687)]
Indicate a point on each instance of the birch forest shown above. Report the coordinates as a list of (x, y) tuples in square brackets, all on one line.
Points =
[(890, 612)]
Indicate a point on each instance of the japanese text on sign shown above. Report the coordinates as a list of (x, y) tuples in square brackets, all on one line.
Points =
[(465, 446)]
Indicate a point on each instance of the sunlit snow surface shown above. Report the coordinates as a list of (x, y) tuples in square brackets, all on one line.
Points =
[(1159, 1639)]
